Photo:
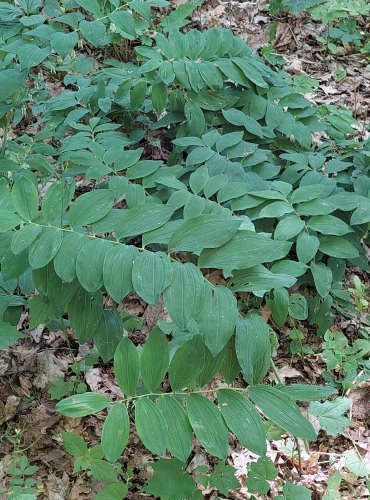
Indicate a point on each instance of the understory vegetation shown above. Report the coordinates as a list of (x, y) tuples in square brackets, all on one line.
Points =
[(141, 155)]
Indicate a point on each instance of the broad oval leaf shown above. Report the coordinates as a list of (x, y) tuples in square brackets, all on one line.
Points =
[(179, 431), (65, 259), (253, 348), (126, 366), (117, 271), (282, 410), (208, 425), (143, 218), (8, 221), (25, 198), (151, 275), (187, 363), (154, 359), (151, 426), (115, 432), (108, 334), (337, 247), (307, 247), (90, 207), (328, 224), (89, 263), (24, 237), (45, 247), (243, 420), (323, 278), (84, 313), (81, 405), (307, 392), (218, 317), (246, 249), (56, 200), (204, 231)]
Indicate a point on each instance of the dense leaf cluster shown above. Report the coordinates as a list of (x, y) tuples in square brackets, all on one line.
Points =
[(235, 184)]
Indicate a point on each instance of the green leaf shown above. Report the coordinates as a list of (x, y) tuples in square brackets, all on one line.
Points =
[(10, 82), (185, 295), (288, 227), (330, 414), (115, 432), (204, 231), (323, 278), (8, 221), (212, 365), (154, 359), (170, 481), (187, 363), (25, 198), (151, 426), (115, 491), (218, 317), (298, 307), (222, 479), (282, 410), (259, 474), (279, 305), (307, 247), (259, 278), (137, 95), (246, 249), (303, 392), (56, 200), (108, 334), (179, 431), (337, 247), (143, 218), (230, 368), (103, 471), (45, 247), (126, 366), (65, 259), (94, 32), (355, 464), (328, 224), (295, 492), (30, 55), (307, 193), (208, 425), (81, 405), (151, 275), (8, 335), (24, 237), (89, 264), (74, 444), (243, 420), (159, 97), (125, 24), (63, 43), (84, 313), (253, 349), (90, 207), (237, 117), (117, 271)]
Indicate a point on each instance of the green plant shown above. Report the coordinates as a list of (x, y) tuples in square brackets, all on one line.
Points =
[(193, 156), (22, 485)]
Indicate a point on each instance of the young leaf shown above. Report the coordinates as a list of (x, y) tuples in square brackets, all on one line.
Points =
[(81, 405), (179, 431), (243, 420), (126, 366), (330, 414), (259, 474), (115, 432), (253, 349), (154, 359), (208, 425), (282, 410), (171, 481), (151, 426), (114, 491), (74, 444)]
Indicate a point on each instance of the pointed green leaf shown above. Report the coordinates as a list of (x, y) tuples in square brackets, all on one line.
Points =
[(65, 259), (84, 313), (81, 405), (337, 247), (126, 366), (151, 275), (187, 363), (243, 420), (154, 359), (90, 207), (8, 221), (117, 271), (282, 410), (208, 425), (45, 247), (151, 426), (89, 264), (143, 218), (323, 278), (253, 347), (24, 237), (25, 198), (115, 432), (307, 247), (108, 334), (179, 432)]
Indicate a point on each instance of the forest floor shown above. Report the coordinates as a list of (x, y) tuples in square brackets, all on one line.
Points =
[(28, 420)]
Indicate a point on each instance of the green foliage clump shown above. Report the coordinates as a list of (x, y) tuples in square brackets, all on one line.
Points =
[(197, 156)]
